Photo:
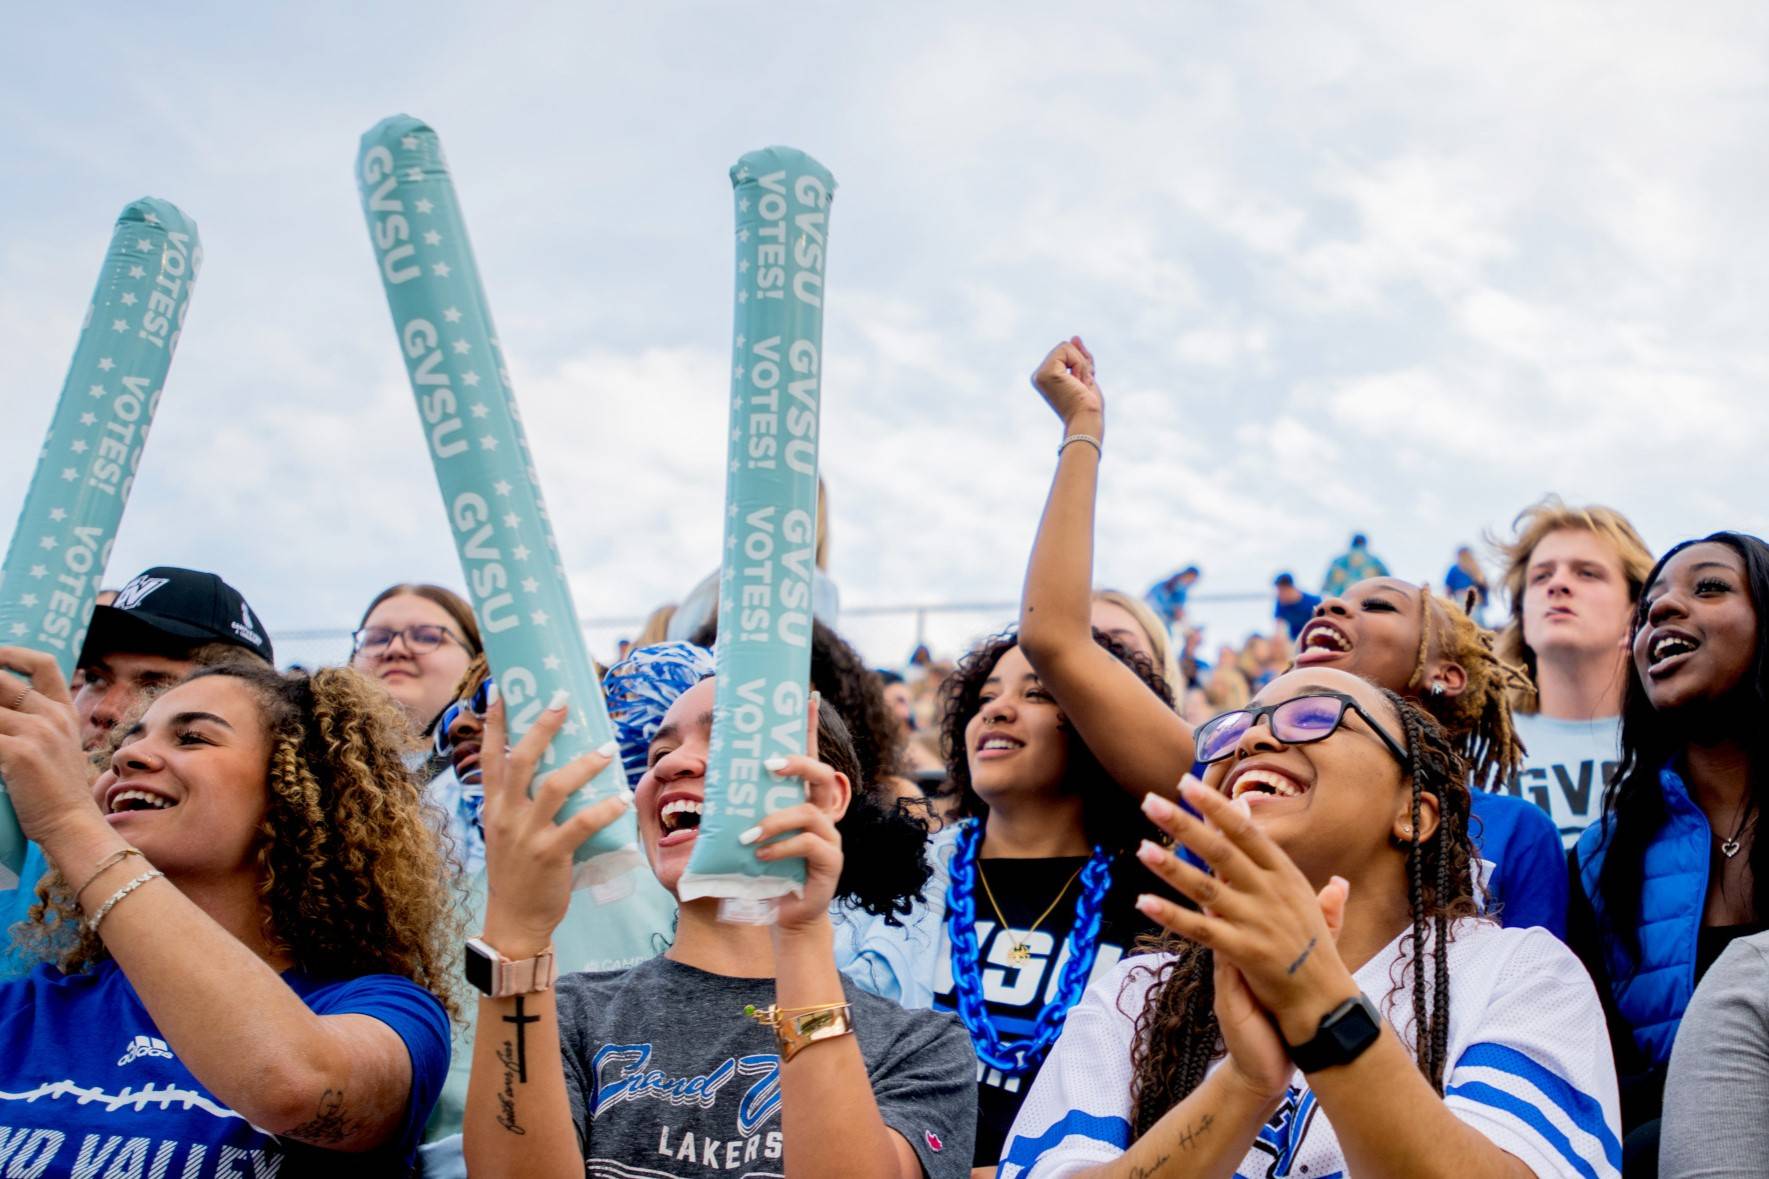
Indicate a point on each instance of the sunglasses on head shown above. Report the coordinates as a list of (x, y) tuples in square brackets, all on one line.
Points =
[(477, 703), (1296, 721)]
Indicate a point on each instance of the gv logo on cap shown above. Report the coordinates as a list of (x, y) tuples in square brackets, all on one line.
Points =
[(132, 595)]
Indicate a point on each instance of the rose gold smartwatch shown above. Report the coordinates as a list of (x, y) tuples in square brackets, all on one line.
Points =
[(498, 977)]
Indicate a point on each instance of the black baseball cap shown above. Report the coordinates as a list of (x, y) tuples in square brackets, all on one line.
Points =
[(169, 609)]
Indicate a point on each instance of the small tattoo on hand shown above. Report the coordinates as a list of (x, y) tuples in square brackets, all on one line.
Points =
[(1301, 958)]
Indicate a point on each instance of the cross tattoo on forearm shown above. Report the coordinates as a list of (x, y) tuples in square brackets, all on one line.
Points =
[(521, 1021)]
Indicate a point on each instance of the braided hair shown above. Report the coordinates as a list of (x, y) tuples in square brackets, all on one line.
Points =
[(1177, 1036), (1477, 719)]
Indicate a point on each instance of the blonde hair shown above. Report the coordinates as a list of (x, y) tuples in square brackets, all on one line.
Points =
[(351, 870), (1160, 641), (1547, 515), (657, 626)]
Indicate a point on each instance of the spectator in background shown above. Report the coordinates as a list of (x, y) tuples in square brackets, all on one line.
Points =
[(918, 759), (1295, 606), (1463, 576), (1191, 667), (1573, 576), (656, 628), (416, 641), (1167, 597), (1134, 625), (1351, 566)]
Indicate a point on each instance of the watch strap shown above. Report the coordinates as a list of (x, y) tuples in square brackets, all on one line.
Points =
[(1345, 1033), (520, 977)]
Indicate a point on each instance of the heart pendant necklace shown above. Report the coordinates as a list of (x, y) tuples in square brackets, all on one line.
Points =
[(1729, 847)]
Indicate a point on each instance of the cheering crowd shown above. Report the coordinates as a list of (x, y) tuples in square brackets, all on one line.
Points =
[(1391, 894)]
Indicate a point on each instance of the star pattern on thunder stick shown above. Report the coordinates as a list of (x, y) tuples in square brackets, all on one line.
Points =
[(88, 419), (743, 173), (27, 600), (410, 143), (78, 446), (58, 514), (144, 244), (461, 347), (743, 235), (530, 586), (502, 487), (743, 204), (742, 297), (95, 391), (471, 380), (743, 266), (520, 552), (119, 325), (39, 571), (440, 270), (550, 662), (414, 174), (738, 372), (105, 363), (512, 520), (538, 617), (68, 474), (487, 442), (18, 629), (423, 205), (128, 299), (432, 238), (451, 314), (47, 544), (151, 218)]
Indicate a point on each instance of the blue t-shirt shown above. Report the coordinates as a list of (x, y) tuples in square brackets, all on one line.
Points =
[(88, 1087), (1296, 614), (1524, 862)]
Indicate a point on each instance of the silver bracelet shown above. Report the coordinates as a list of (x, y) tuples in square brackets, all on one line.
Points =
[(1087, 438), (104, 909)]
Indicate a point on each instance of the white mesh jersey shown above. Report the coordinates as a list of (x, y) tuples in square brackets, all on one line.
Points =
[(1529, 1067)]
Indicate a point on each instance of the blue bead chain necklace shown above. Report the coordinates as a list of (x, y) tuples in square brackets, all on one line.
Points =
[(967, 976)]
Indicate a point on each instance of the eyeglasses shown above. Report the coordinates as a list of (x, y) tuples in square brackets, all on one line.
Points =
[(1296, 721), (420, 639), (477, 703)]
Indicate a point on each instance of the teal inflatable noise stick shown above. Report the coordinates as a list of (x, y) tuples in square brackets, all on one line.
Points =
[(764, 650), (492, 496), (59, 549)]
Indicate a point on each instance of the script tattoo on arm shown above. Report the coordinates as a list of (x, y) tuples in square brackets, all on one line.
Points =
[(514, 1058), (328, 1126), (1301, 958), (1149, 1171), (1188, 1138)]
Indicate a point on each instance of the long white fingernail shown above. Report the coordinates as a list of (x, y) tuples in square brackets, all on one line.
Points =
[(774, 764), (750, 836), (608, 749), (559, 699), (491, 694), (626, 797)]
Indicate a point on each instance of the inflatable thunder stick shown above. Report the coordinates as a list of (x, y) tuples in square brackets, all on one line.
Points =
[(764, 649), (489, 487), (84, 471)]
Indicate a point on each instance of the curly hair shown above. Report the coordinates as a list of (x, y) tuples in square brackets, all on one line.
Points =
[(843, 679), (1478, 719), (1111, 815), (884, 846), (1177, 1035), (350, 866)]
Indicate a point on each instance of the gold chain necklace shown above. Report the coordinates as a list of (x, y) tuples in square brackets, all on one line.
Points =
[(1021, 952)]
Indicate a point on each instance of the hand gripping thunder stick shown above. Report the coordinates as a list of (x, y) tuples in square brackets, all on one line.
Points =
[(764, 649), (489, 487), (84, 472)]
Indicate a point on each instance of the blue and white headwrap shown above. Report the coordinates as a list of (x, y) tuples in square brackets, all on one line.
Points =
[(641, 688)]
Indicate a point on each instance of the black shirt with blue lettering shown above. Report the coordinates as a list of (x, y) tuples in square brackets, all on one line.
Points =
[(668, 1077)]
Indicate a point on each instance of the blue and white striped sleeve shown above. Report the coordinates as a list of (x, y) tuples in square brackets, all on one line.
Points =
[(1077, 1115), (1534, 1074)]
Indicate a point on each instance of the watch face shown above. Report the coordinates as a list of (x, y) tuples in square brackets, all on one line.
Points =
[(479, 968)]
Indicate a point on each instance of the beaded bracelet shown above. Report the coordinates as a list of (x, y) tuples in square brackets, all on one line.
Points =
[(104, 909), (110, 861), (1087, 438)]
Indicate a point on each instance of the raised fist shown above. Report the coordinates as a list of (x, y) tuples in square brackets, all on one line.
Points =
[(1066, 382)]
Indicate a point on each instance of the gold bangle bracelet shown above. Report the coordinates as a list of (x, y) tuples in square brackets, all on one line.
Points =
[(797, 1028)]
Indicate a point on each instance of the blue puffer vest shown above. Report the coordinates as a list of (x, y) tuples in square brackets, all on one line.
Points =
[(1652, 993)]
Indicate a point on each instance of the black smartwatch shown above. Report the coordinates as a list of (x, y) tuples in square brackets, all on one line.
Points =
[(1344, 1033)]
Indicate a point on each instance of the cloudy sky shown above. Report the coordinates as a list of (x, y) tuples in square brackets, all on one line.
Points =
[(1401, 268)]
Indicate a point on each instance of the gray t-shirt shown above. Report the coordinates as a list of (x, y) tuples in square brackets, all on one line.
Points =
[(1718, 1085), (1565, 768), (667, 1076)]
